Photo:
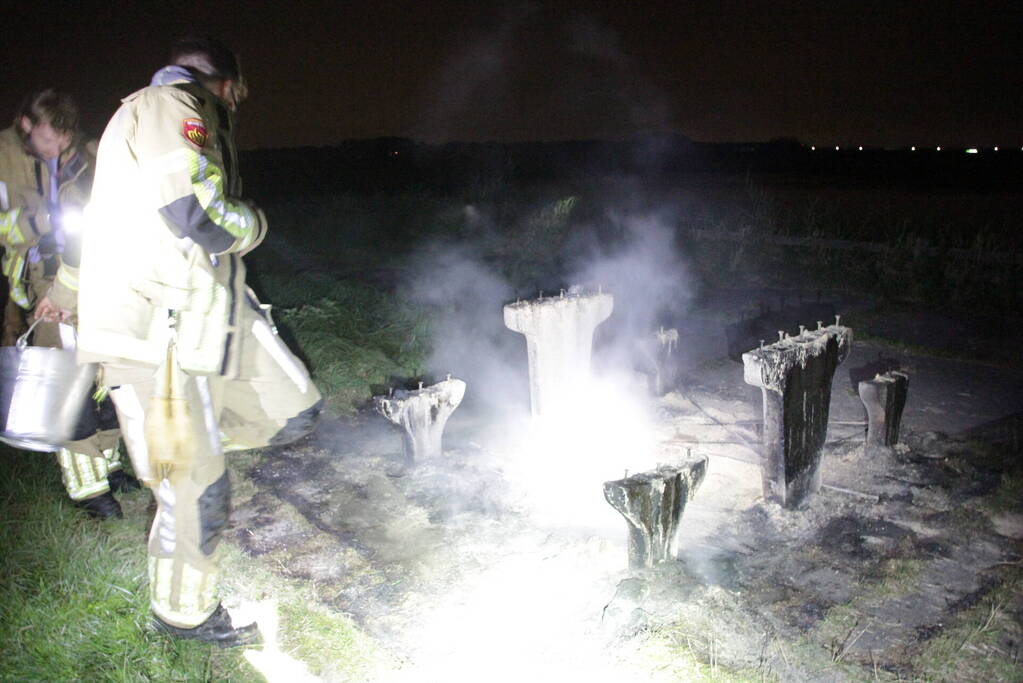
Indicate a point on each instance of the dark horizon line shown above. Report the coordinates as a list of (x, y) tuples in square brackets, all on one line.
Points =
[(645, 138)]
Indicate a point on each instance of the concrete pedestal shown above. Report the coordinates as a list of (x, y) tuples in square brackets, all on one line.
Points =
[(652, 504), (795, 376), (884, 397), (422, 414), (559, 342)]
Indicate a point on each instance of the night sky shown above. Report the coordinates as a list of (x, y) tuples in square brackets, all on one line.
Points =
[(848, 72)]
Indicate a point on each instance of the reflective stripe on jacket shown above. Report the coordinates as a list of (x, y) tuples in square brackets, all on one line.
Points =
[(165, 234)]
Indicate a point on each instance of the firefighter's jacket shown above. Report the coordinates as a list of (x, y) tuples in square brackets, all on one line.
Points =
[(25, 201), (165, 233)]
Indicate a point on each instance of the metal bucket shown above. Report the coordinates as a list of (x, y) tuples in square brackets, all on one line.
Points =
[(43, 393)]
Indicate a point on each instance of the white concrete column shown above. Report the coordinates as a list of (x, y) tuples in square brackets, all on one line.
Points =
[(559, 343)]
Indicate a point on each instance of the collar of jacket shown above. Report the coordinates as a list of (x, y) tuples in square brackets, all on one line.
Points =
[(179, 75), (173, 75), (72, 163)]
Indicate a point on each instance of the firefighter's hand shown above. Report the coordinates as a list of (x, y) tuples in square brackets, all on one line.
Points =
[(50, 312)]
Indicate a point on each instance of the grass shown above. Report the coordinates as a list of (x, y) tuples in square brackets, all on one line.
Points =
[(984, 641), (680, 654), (351, 348), (839, 631), (75, 604), (74, 600), (1009, 496), (353, 337), (897, 576)]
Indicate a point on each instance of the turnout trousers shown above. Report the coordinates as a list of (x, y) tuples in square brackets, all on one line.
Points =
[(85, 464), (271, 402)]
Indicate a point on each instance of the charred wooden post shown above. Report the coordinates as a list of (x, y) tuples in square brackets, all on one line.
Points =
[(559, 341), (795, 375), (422, 414), (884, 397), (652, 504)]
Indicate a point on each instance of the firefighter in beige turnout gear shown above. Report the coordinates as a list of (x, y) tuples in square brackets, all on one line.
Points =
[(46, 172), (192, 360)]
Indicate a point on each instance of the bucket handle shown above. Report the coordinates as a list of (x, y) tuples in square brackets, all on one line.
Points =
[(68, 343), (23, 339)]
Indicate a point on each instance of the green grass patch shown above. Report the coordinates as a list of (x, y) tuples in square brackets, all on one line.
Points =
[(74, 602), (354, 337), (327, 642), (897, 576), (1009, 496), (683, 655), (983, 643), (74, 599)]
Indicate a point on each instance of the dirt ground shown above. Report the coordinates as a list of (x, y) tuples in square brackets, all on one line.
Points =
[(905, 564)]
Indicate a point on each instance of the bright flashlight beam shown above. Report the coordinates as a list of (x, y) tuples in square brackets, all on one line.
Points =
[(72, 220)]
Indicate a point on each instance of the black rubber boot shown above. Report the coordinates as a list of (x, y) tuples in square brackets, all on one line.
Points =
[(217, 629), (103, 506), (120, 481)]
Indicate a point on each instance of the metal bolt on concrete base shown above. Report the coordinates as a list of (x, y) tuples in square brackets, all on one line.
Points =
[(652, 504), (884, 397), (795, 376), (422, 414), (559, 342)]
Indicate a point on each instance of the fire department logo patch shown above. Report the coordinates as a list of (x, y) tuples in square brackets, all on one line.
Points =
[(195, 132)]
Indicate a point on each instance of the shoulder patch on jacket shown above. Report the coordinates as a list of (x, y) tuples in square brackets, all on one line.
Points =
[(194, 131)]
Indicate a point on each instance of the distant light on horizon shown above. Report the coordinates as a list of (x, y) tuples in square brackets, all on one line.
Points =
[(939, 148), (913, 148), (836, 148), (814, 149), (996, 148), (972, 150), (861, 148)]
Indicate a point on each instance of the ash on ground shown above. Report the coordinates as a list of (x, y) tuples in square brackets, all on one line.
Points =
[(447, 564)]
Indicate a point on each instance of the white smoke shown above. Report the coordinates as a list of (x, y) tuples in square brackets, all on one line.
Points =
[(611, 428), (540, 75), (644, 268), (465, 298)]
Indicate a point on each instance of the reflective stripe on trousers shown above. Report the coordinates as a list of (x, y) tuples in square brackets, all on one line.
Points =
[(183, 572), (192, 503), (85, 476)]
